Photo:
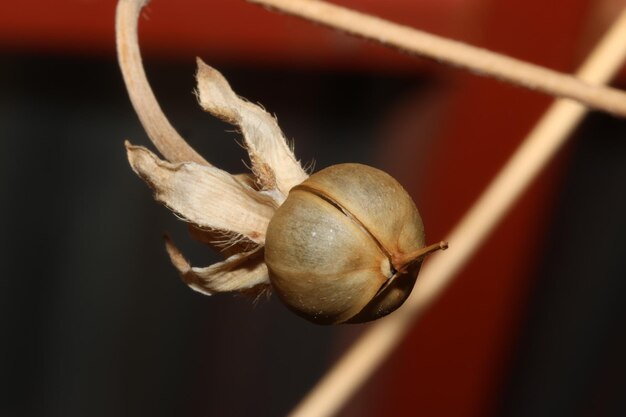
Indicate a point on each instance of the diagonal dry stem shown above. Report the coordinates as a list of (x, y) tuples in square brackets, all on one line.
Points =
[(455, 53), (166, 139), (547, 137)]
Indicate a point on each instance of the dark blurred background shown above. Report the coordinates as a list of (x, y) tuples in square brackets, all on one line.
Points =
[(95, 322)]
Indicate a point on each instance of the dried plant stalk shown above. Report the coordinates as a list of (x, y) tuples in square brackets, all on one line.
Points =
[(547, 137), (167, 140), (455, 53)]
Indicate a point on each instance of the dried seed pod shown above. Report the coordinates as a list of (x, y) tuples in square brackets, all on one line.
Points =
[(345, 246)]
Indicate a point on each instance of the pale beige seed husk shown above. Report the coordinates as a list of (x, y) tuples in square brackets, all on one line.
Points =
[(240, 272), (204, 195), (273, 162), (323, 265)]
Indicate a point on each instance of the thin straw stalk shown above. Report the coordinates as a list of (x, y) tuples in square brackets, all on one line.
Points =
[(454, 53)]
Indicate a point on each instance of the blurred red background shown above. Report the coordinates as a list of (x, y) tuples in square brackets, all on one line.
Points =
[(456, 359)]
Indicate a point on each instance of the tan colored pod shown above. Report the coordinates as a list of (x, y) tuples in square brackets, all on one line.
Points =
[(346, 245)]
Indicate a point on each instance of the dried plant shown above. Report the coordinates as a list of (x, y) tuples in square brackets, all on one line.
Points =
[(347, 248), (346, 245)]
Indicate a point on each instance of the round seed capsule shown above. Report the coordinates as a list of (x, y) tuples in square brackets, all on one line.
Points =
[(345, 246)]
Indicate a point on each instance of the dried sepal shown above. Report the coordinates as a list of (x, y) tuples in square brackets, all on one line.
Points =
[(243, 272), (204, 195), (273, 162)]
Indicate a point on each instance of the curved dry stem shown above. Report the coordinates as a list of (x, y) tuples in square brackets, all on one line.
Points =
[(169, 143), (550, 133), (455, 53)]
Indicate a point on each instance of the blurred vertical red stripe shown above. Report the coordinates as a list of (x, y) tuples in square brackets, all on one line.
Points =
[(455, 360)]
